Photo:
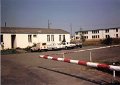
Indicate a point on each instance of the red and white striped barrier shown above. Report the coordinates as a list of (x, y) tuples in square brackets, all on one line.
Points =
[(91, 64)]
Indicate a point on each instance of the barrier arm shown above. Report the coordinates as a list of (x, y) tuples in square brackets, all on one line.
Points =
[(79, 62)]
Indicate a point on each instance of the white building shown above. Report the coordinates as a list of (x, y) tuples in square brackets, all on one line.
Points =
[(13, 37), (98, 34)]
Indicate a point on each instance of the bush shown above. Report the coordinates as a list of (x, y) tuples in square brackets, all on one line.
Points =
[(8, 51), (107, 41), (116, 41), (91, 42)]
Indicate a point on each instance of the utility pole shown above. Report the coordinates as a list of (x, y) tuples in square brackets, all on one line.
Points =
[(5, 24), (80, 32), (49, 24), (71, 28)]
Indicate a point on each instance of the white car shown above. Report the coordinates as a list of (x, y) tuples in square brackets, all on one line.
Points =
[(67, 45), (54, 46), (39, 47)]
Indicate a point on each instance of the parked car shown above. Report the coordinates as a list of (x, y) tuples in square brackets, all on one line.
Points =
[(54, 46), (79, 44), (67, 45), (39, 47)]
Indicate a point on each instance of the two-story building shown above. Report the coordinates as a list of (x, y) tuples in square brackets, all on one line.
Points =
[(98, 34), (14, 37)]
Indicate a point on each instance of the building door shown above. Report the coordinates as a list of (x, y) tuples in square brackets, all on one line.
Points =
[(13, 41)]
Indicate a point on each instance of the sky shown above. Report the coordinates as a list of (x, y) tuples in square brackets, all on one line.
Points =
[(62, 14)]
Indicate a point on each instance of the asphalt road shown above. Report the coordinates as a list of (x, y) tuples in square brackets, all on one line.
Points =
[(29, 69)]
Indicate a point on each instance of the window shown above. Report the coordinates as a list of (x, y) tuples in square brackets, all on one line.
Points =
[(85, 32), (52, 37), (59, 37), (77, 37), (1, 38), (48, 37), (107, 36), (64, 40), (35, 36), (98, 36), (43, 43), (95, 31), (107, 30), (63, 36), (116, 29), (116, 35), (87, 37), (29, 38), (93, 36)]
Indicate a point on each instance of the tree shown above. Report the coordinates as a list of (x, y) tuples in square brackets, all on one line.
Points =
[(82, 37), (107, 41)]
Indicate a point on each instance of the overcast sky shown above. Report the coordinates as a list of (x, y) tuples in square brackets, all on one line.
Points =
[(85, 14)]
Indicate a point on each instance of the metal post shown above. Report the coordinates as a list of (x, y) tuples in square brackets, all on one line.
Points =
[(90, 56), (113, 73)]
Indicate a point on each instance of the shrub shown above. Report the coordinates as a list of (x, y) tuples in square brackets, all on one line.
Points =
[(107, 41), (8, 51), (116, 41)]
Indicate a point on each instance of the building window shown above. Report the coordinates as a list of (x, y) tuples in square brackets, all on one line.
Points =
[(116, 35), (35, 36), (116, 29), (29, 38), (64, 40), (107, 30), (1, 38), (98, 36), (93, 36), (77, 37), (107, 36), (48, 37), (59, 37), (85, 32), (85, 37), (52, 37), (95, 31)]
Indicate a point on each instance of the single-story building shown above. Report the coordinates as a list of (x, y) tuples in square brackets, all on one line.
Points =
[(14, 37)]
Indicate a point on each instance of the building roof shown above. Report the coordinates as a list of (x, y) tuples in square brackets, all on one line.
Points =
[(97, 29), (21, 30)]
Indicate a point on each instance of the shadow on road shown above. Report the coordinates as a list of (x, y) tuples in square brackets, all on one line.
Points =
[(102, 82)]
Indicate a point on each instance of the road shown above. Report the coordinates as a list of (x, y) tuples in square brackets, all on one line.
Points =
[(29, 69)]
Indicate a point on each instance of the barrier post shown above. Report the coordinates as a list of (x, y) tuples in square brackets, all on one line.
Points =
[(90, 56), (113, 73), (113, 80)]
